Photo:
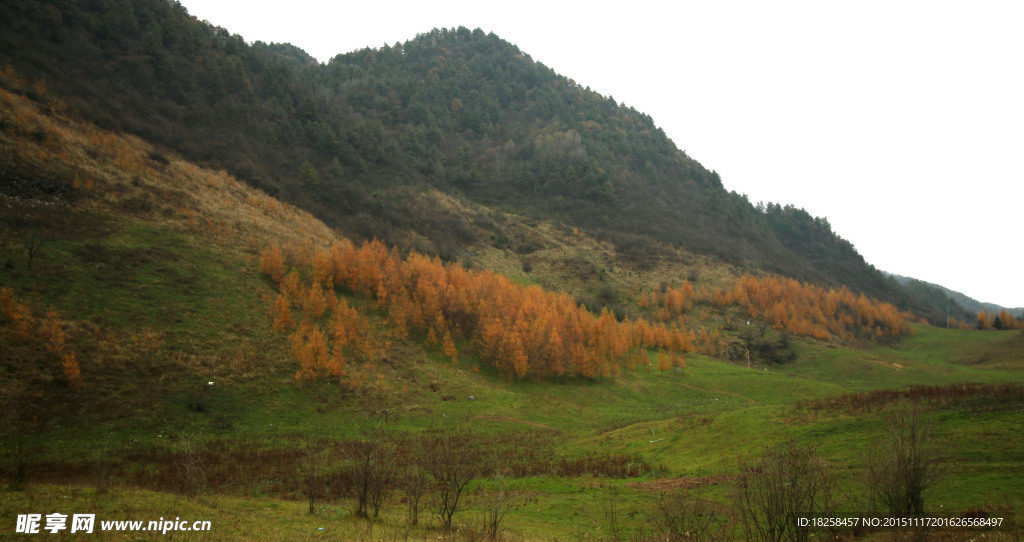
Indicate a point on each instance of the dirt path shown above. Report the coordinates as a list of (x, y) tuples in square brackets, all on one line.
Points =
[(510, 419), (681, 482), (723, 392)]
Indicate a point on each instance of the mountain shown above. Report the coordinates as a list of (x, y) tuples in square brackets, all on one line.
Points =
[(359, 140), (173, 339), (141, 371)]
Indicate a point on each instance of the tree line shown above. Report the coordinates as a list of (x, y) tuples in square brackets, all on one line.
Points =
[(520, 331), (1001, 321), (786, 305), (525, 331)]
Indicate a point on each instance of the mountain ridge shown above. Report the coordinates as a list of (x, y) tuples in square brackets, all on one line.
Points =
[(967, 304), (359, 139)]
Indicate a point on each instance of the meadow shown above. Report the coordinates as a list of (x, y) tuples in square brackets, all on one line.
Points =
[(188, 405)]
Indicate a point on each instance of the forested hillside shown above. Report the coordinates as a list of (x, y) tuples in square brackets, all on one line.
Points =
[(357, 140), (961, 306)]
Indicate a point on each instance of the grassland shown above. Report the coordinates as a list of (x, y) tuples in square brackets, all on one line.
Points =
[(151, 262)]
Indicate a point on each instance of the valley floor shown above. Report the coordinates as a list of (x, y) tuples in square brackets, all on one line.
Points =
[(688, 431)]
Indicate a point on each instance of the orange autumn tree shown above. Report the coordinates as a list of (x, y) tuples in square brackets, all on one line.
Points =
[(984, 320), (20, 325), (281, 312), (644, 301), (272, 263), (17, 315), (787, 305), (72, 371), (449, 348), (679, 300), (519, 330), (51, 331), (309, 346), (664, 361), (325, 334), (1005, 320), (803, 309)]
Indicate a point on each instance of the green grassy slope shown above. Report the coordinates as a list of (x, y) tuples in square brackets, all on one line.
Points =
[(151, 263)]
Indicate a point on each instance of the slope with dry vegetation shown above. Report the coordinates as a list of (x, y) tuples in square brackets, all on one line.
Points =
[(172, 338)]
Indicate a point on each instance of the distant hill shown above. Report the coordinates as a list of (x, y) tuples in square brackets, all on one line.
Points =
[(964, 307), (359, 140)]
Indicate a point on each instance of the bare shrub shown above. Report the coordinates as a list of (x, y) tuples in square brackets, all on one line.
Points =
[(454, 461), (191, 473), (903, 464), (372, 470), (313, 463), (496, 503), (786, 483), (970, 396), (415, 483), (681, 516)]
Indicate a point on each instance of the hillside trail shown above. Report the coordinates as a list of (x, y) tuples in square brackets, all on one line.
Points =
[(511, 419), (662, 485), (722, 392)]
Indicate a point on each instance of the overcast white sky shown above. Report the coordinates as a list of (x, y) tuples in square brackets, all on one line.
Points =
[(901, 122)]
